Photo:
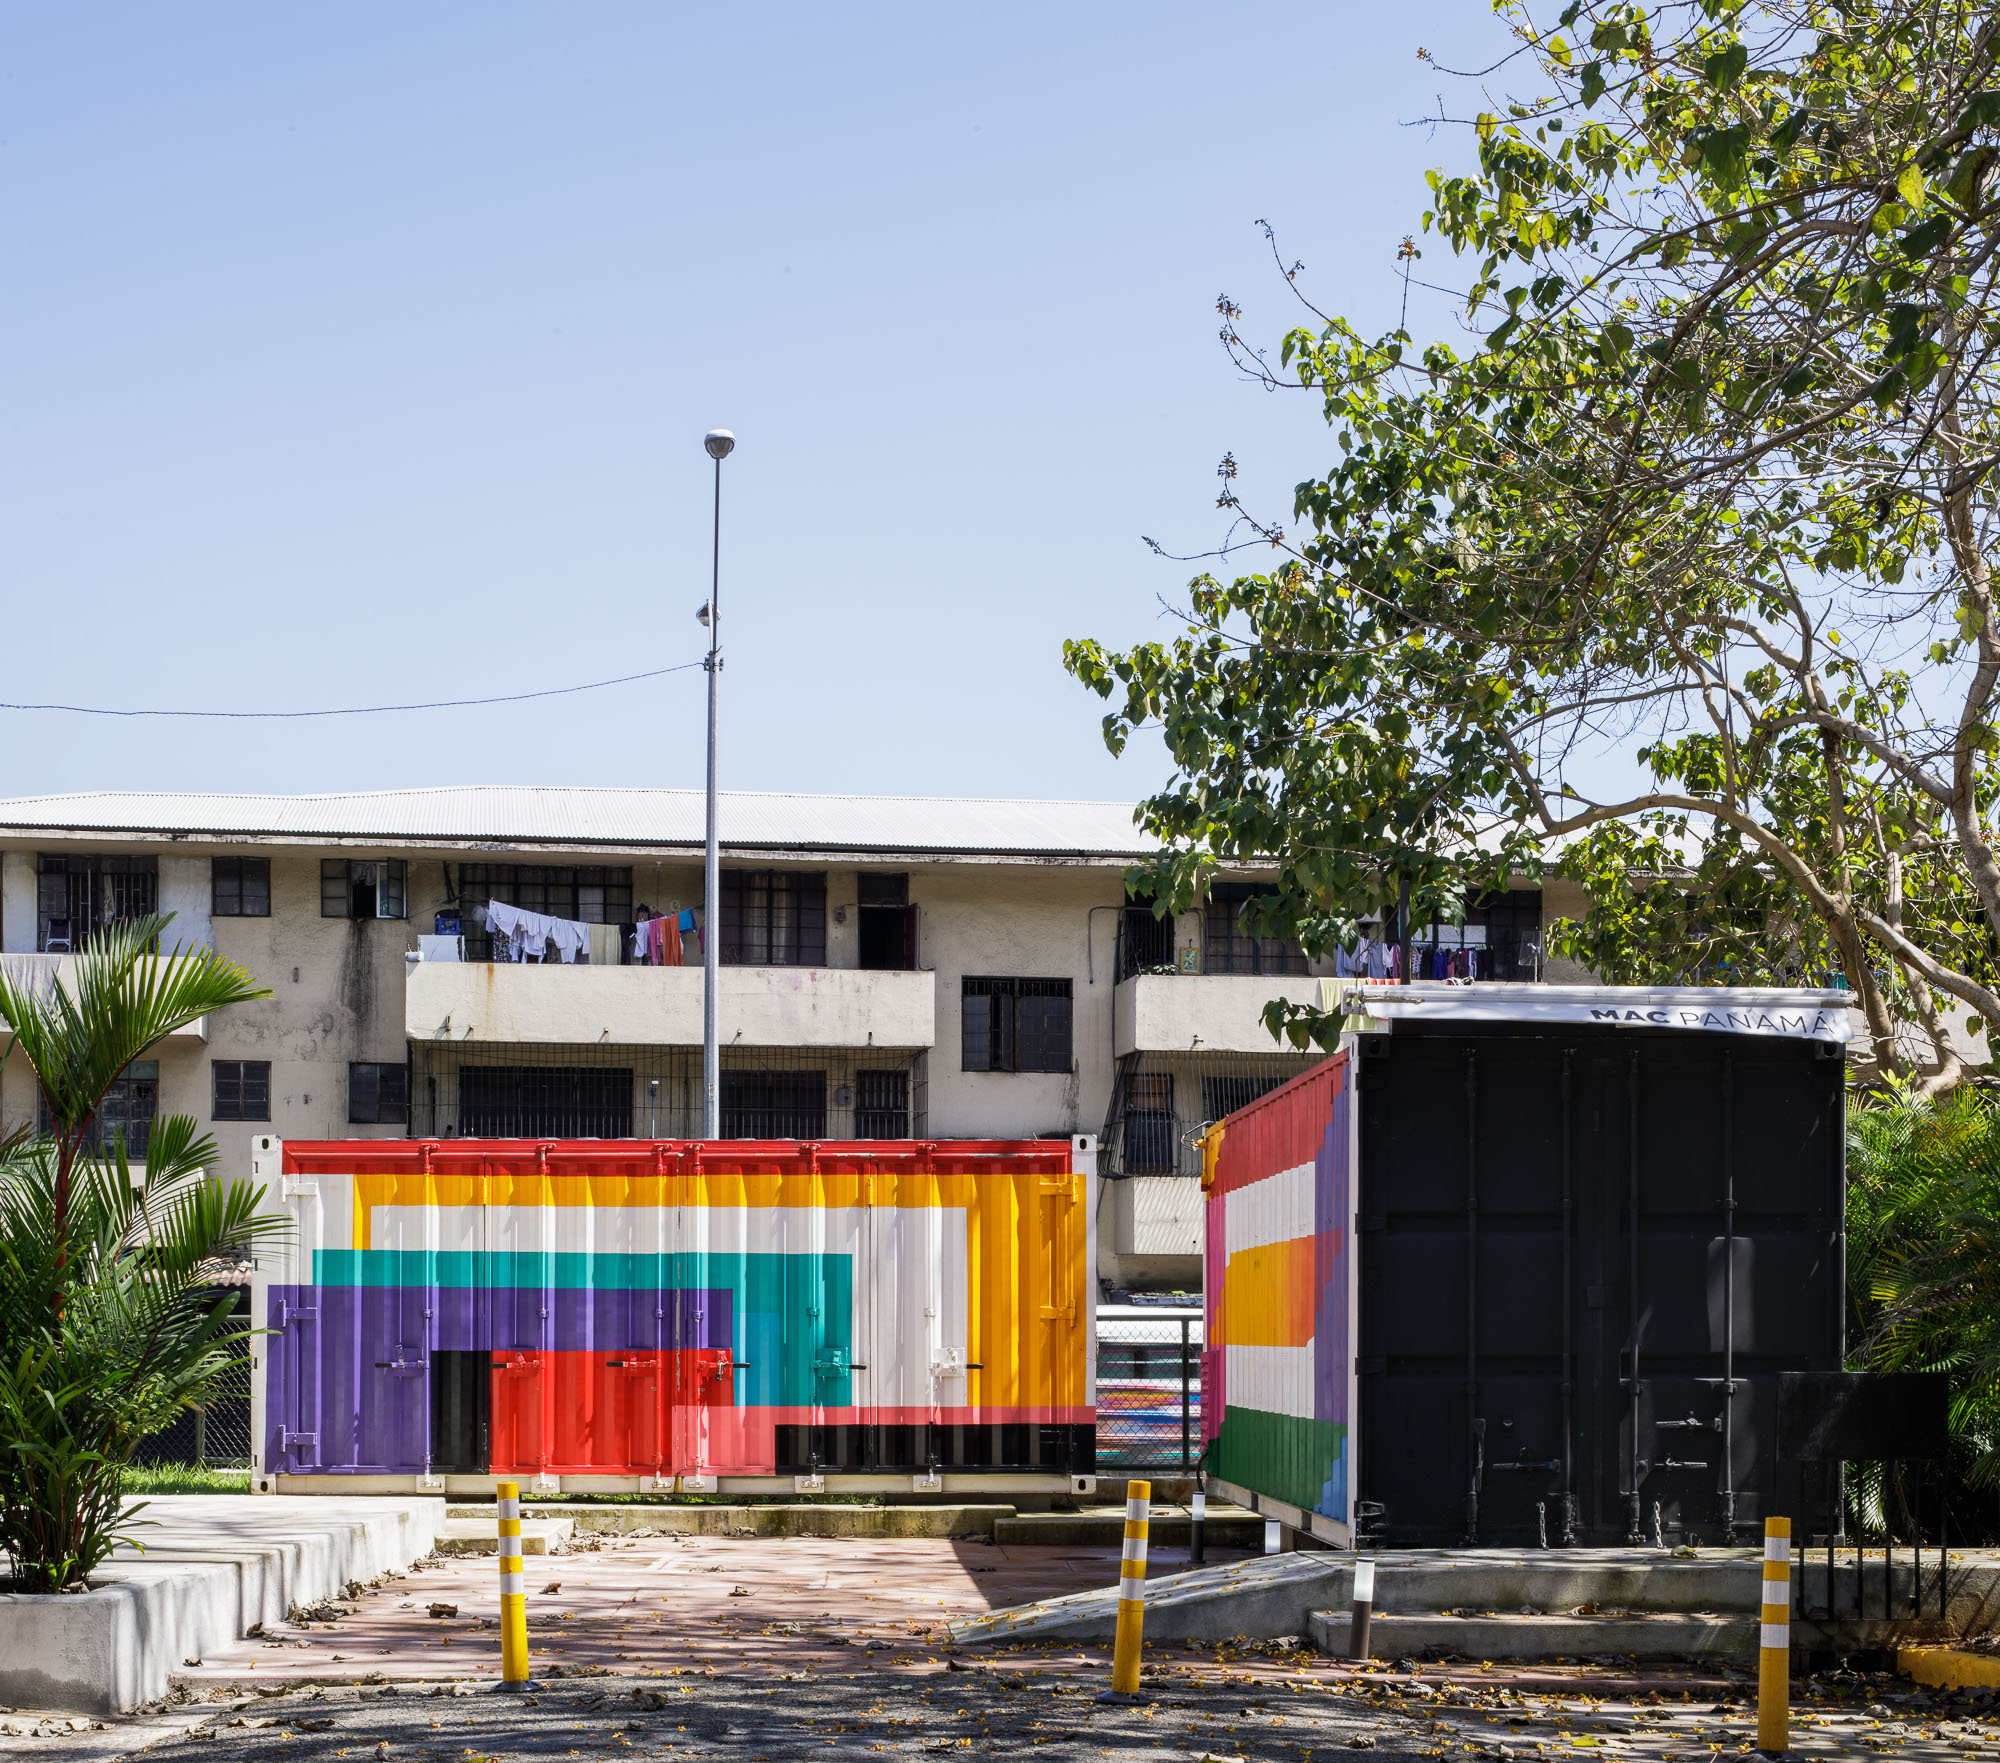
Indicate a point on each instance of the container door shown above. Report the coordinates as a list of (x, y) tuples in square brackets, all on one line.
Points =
[(298, 1351), (519, 1276), (461, 1320), (391, 1367), (609, 1323), (722, 1333)]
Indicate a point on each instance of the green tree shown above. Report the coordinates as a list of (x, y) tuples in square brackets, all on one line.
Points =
[(102, 1260), (1711, 491)]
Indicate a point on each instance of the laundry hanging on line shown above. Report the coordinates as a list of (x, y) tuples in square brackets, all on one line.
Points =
[(529, 935)]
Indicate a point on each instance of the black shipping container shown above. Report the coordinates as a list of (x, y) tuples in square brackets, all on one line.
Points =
[(1586, 1251)]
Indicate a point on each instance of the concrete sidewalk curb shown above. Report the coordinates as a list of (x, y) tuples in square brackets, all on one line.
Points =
[(214, 1566), (801, 1519)]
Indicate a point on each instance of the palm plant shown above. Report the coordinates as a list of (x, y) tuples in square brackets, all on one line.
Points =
[(102, 1262), (1923, 1224)]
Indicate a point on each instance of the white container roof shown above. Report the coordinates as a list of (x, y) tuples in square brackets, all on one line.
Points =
[(1747, 1010)]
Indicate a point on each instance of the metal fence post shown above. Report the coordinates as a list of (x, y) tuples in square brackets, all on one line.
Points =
[(1186, 1457), (200, 1439)]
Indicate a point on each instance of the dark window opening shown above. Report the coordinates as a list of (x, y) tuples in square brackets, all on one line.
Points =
[(240, 887), (1221, 1096), (774, 1105), (888, 924), (1231, 948), (349, 889), (461, 1414), (545, 1102), (587, 893), (125, 1115), (881, 1104), (79, 895), (1015, 1024), (1146, 943), (1513, 932), (1151, 1129), (773, 918), (378, 1093), (242, 1089)]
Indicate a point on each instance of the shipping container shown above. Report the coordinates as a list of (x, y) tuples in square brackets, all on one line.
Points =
[(610, 1315), (1522, 1265)]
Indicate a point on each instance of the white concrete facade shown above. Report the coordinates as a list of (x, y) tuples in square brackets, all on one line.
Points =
[(1042, 901)]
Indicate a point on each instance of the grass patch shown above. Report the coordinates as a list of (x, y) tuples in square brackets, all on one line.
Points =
[(142, 1480)]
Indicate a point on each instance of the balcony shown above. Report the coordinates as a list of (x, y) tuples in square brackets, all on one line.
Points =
[(43, 973), (464, 1001), (1202, 1012)]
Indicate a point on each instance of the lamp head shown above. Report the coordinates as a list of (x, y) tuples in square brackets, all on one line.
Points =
[(701, 617), (719, 443)]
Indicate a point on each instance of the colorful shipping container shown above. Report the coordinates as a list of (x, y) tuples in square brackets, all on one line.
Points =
[(1279, 1286), (602, 1314)]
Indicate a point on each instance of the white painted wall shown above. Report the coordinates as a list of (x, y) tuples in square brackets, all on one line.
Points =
[(187, 890), (1203, 1012), (18, 923)]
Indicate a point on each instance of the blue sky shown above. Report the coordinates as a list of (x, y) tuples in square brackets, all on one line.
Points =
[(361, 354)]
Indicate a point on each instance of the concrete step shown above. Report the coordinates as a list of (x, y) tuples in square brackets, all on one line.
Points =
[(1658, 1635), (481, 1536), (803, 1518), (1227, 1527)]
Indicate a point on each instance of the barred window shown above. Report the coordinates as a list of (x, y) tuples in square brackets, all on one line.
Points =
[(881, 1104), (240, 887), (774, 1104), (773, 918), (126, 1113), (1014, 1024), (81, 893), (242, 1089), (1232, 949)]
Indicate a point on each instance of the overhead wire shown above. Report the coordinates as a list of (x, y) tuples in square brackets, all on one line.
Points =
[(362, 709)]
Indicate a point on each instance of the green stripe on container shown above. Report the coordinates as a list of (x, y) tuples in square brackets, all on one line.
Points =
[(1276, 1454)]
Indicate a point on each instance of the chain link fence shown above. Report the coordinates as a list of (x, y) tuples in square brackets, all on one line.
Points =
[(217, 1437), (1148, 1388)]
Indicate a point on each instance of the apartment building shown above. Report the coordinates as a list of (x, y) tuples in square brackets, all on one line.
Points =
[(890, 968)]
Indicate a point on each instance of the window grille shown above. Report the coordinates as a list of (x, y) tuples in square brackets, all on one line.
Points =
[(774, 1104), (78, 894), (1015, 1024), (127, 1112), (460, 1089), (378, 1094), (242, 1089), (773, 918), (881, 1104), (240, 887), (1145, 943), (1229, 948), (585, 892), (1161, 1102), (353, 889)]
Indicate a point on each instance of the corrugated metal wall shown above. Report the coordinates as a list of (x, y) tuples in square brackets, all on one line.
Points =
[(1278, 1278), (666, 1308)]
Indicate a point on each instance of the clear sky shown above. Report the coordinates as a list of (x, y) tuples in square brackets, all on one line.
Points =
[(361, 354)]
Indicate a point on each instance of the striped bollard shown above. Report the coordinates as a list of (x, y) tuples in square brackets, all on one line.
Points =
[(1774, 1638), (1197, 1519), (513, 1589), (1131, 1590), (1362, 1607)]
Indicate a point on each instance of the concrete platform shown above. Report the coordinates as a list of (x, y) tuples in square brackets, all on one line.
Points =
[(481, 1536), (213, 1568), (802, 1519), (1227, 1527)]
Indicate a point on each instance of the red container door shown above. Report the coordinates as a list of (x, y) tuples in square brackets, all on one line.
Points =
[(519, 1268)]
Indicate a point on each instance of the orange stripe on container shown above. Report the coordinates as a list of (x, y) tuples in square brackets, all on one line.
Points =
[(1268, 1294)]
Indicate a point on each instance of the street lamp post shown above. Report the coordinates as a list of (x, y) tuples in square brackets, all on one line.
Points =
[(718, 443)]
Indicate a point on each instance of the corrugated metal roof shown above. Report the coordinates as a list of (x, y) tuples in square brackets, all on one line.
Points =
[(573, 817)]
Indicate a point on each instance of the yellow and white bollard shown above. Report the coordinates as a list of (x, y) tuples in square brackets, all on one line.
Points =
[(1774, 1640), (513, 1588), (1131, 1590)]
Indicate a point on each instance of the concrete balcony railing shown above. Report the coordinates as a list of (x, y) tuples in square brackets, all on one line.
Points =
[(44, 973), (661, 1006), (1203, 1012)]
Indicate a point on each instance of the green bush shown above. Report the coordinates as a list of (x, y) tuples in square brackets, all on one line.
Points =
[(109, 1336)]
